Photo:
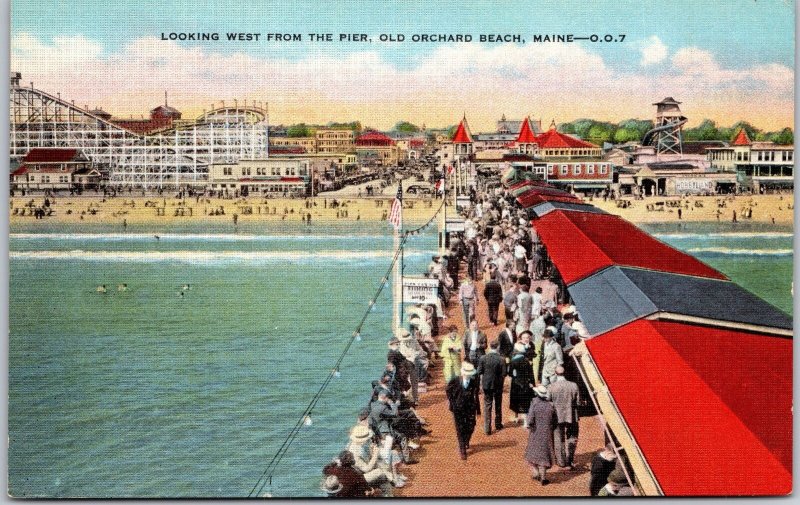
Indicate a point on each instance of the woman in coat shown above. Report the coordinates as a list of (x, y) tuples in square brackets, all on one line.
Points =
[(541, 423), (522, 383)]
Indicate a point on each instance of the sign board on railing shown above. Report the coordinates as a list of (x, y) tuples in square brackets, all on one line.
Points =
[(418, 289), (454, 225)]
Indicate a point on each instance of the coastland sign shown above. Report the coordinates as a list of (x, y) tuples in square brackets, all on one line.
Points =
[(417, 289)]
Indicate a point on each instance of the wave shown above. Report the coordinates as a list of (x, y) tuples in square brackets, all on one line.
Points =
[(184, 237), (723, 235), (208, 257), (741, 252)]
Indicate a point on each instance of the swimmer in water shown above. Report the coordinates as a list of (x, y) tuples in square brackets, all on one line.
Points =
[(101, 288), (157, 237), (122, 287)]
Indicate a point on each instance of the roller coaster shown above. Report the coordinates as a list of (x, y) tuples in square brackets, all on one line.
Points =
[(174, 157)]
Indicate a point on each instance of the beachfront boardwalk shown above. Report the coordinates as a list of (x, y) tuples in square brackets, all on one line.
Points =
[(495, 464)]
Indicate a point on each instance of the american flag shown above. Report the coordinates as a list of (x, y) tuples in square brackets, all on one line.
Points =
[(396, 214)]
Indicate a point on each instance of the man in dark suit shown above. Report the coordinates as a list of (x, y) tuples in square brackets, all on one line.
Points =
[(493, 293), (461, 395), (474, 343), (564, 395), (492, 371), (474, 346), (507, 339)]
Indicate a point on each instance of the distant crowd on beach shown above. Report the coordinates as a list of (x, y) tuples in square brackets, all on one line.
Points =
[(533, 330)]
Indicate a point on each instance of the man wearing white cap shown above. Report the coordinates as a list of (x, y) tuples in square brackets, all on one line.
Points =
[(462, 397)]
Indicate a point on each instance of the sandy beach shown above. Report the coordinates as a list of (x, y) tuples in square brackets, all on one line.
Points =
[(155, 211), (767, 209)]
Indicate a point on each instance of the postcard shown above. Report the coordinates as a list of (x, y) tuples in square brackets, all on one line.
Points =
[(353, 249)]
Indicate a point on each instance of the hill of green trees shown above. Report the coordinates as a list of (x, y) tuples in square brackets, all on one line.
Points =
[(634, 129)]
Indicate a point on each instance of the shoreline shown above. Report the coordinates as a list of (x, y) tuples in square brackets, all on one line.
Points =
[(163, 213)]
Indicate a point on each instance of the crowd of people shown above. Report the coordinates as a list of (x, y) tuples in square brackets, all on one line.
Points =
[(388, 430), (539, 330)]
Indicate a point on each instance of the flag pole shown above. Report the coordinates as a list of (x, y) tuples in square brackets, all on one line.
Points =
[(397, 284)]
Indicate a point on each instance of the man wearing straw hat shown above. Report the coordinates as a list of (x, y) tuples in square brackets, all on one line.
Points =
[(366, 453), (463, 399)]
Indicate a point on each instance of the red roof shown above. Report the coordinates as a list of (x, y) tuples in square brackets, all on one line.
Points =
[(710, 409), (22, 170), (373, 138), (50, 155), (552, 139), (741, 139), (462, 134), (581, 244), (526, 135), (535, 197)]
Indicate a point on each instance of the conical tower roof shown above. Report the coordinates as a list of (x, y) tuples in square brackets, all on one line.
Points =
[(462, 135), (741, 138), (526, 135)]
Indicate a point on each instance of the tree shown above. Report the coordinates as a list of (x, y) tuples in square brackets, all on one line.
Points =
[(299, 130), (406, 127), (352, 125), (785, 137), (601, 132), (451, 131), (707, 130)]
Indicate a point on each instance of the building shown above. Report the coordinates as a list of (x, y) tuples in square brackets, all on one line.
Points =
[(334, 141), (554, 144), (55, 169), (526, 141), (580, 174), (376, 149), (308, 144), (757, 165), (271, 176)]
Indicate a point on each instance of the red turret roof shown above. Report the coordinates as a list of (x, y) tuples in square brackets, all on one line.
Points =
[(552, 139), (374, 139), (741, 138), (462, 135), (526, 135)]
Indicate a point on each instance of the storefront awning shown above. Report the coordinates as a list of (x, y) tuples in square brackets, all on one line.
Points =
[(582, 243), (710, 409)]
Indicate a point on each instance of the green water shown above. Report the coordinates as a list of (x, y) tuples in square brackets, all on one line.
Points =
[(148, 393)]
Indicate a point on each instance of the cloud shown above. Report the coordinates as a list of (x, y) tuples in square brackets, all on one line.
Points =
[(561, 81), (653, 51)]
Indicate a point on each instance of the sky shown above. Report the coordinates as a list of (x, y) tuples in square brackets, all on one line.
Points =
[(725, 60)]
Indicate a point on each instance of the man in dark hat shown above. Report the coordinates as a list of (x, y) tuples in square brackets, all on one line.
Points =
[(347, 482), (461, 395), (617, 485)]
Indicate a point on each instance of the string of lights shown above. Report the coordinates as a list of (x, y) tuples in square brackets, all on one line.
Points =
[(265, 480), (305, 419)]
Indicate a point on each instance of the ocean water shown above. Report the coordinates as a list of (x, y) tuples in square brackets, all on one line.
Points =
[(146, 393)]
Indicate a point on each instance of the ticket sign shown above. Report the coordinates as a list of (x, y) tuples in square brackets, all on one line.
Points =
[(420, 289)]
